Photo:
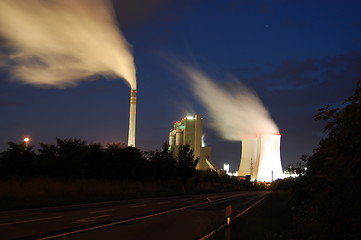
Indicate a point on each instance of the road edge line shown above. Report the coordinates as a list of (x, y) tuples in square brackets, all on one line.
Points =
[(237, 216), (123, 221)]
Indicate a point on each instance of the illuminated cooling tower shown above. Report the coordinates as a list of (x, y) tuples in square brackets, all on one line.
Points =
[(261, 158), (268, 162), (248, 158), (132, 117)]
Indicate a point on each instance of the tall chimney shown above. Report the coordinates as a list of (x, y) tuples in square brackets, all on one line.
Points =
[(132, 117)]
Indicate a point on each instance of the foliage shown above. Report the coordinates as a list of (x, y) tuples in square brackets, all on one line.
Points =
[(73, 171), (286, 184), (163, 163), (334, 169), (186, 164), (326, 199), (300, 167), (76, 159), (17, 161)]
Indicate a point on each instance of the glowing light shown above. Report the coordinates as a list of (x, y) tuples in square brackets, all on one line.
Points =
[(228, 223), (26, 141), (203, 142), (229, 210), (226, 167)]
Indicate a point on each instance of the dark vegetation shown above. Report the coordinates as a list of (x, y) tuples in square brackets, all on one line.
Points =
[(328, 196), (73, 171), (76, 159)]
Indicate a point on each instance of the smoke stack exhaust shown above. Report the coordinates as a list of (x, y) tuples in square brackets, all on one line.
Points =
[(132, 117)]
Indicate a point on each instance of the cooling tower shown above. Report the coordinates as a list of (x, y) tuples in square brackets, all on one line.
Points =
[(268, 164), (132, 117), (248, 158)]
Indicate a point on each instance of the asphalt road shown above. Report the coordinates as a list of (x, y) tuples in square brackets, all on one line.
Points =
[(181, 217)]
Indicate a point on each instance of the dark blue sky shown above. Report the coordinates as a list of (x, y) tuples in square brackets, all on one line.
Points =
[(298, 56)]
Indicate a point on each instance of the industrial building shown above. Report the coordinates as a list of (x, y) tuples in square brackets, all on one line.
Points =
[(261, 158), (189, 131)]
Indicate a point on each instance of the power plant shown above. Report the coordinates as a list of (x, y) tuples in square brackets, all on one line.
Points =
[(132, 117), (261, 158), (189, 131)]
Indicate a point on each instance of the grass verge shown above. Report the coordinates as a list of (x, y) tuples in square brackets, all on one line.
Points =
[(46, 192)]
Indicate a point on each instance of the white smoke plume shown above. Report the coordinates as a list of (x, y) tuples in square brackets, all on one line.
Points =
[(236, 113), (56, 43)]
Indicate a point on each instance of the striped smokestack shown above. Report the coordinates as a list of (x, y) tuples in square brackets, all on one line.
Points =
[(132, 117)]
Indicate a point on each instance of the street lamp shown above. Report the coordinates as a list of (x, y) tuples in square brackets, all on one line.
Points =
[(26, 141)]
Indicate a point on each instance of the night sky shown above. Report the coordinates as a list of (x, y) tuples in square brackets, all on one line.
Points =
[(298, 56)]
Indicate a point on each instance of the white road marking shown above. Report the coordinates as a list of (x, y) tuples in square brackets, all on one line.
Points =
[(100, 211), (124, 221), (140, 218), (30, 220), (20, 215), (137, 206), (237, 216), (246, 210), (90, 219)]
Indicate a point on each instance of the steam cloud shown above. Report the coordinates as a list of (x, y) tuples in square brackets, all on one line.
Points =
[(236, 113), (56, 43)]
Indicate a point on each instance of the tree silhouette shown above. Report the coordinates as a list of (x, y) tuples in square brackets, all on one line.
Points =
[(72, 154), (330, 188), (186, 164), (299, 168), (95, 161), (47, 161), (124, 162), (163, 163), (17, 160)]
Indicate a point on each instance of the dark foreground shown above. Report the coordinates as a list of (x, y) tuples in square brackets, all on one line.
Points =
[(185, 217)]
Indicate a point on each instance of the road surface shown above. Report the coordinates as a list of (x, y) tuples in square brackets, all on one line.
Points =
[(180, 217)]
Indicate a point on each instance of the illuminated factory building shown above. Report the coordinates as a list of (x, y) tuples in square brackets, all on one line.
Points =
[(189, 131), (261, 158)]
